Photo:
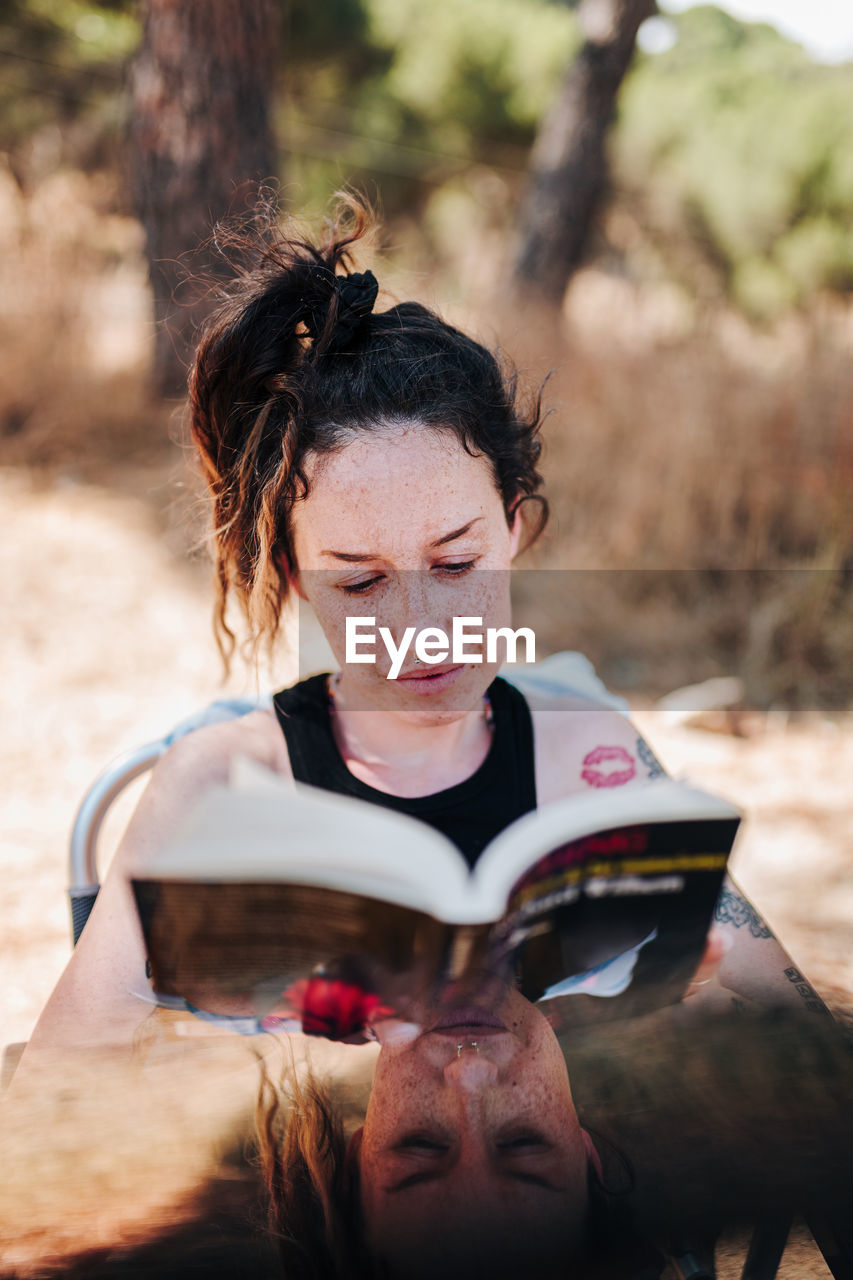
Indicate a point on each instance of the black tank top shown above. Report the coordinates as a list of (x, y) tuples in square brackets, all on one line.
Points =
[(471, 813)]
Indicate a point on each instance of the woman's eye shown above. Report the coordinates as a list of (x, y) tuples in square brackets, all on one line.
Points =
[(418, 1142), (455, 569), (360, 588), (523, 1142)]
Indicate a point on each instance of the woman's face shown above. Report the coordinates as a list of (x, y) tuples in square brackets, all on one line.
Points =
[(470, 1152), (402, 525)]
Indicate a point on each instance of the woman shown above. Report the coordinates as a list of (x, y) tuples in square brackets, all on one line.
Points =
[(471, 1161), (379, 465)]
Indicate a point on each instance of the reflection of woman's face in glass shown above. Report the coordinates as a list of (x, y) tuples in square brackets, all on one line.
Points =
[(474, 1149)]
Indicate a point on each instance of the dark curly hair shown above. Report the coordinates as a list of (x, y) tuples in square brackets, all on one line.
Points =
[(292, 363)]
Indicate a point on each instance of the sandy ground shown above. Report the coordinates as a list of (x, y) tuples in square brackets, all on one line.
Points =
[(106, 642)]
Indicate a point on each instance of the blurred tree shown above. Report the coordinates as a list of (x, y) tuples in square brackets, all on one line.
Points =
[(731, 159), (568, 167), (416, 92), (201, 139), (734, 152), (60, 86)]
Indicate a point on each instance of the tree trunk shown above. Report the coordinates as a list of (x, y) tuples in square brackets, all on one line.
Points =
[(568, 167), (201, 87)]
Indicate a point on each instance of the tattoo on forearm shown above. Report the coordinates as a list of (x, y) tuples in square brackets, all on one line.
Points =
[(732, 909), (649, 759), (811, 999)]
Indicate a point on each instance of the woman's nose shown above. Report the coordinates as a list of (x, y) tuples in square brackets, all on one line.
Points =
[(419, 600), (471, 1071)]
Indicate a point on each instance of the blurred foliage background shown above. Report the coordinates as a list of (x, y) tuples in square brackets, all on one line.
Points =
[(701, 357), (732, 140)]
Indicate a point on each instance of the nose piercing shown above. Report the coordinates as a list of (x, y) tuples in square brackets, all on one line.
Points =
[(466, 1044)]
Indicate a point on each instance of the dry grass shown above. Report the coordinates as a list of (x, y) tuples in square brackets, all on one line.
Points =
[(745, 437), (76, 328), (699, 474)]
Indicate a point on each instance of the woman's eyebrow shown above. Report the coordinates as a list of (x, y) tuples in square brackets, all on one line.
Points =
[(457, 533), (357, 557), (351, 557)]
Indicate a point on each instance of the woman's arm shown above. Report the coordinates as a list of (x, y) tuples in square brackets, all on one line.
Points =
[(93, 1002), (578, 749), (754, 965)]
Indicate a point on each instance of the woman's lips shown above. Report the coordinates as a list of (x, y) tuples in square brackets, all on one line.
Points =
[(425, 671), (429, 680), (471, 1018)]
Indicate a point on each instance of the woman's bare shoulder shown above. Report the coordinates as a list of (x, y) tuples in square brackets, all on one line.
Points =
[(579, 747), (206, 754), (195, 762)]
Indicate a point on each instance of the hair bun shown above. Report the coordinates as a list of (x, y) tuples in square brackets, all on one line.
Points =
[(356, 294)]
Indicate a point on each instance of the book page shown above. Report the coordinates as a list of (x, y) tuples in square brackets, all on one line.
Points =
[(268, 831)]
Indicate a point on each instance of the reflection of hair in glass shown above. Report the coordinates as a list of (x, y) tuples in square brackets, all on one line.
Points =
[(313, 1207), (314, 1203), (275, 381)]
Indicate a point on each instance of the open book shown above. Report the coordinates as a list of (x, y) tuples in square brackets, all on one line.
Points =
[(316, 909)]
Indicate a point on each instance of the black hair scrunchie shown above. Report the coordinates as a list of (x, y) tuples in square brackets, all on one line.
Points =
[(357, 295)]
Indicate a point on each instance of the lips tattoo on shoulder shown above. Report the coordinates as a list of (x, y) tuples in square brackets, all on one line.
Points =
[(608, 767)]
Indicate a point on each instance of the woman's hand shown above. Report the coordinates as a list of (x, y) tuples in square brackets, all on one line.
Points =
[(94, 1002)]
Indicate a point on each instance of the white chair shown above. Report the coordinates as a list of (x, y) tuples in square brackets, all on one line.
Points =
[(83, 875)]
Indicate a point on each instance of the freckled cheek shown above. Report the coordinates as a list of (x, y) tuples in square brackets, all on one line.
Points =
[(548, 1077), (498, 609), (484, 595), (553, 1109), (331, 614), (401, 1088), (332, 607)]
